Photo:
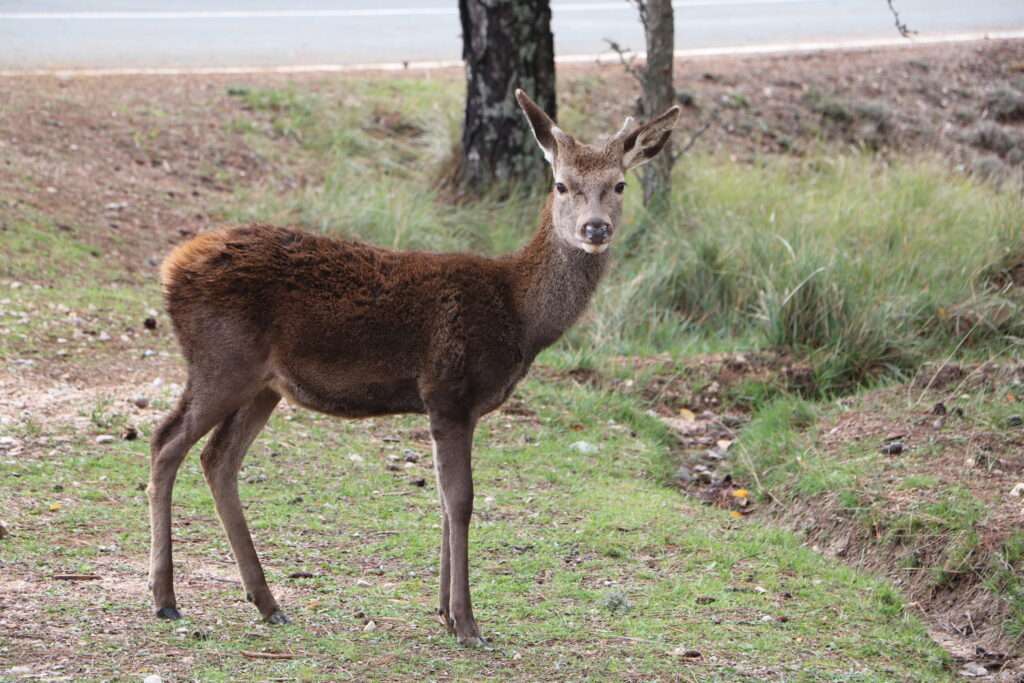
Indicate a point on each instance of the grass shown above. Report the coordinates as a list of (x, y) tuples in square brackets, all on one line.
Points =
[(584, 566)]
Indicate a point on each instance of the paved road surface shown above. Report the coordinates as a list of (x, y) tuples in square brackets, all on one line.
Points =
[(223, 33)]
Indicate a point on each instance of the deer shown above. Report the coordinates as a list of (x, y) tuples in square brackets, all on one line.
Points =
[(356, 331)]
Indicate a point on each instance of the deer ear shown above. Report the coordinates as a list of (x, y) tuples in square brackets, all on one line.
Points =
[(547, 134), (645, 142)]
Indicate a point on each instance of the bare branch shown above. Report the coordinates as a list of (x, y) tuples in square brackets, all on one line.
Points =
[(900, 26), (697, 135), (628, 60), (641, 8)]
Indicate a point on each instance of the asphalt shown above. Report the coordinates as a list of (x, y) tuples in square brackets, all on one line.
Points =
[(125, 34)]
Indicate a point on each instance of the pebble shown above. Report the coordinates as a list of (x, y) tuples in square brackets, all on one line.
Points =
[(584, 447), (363, 583), (130, 433), (4, 532), (104, 438), (370, 626), (1018, 490), (152, 679), (973, 670), (894, 448), (140, 402)]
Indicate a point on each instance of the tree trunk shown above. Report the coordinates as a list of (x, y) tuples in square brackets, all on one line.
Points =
[(506, 44), (659, 93)]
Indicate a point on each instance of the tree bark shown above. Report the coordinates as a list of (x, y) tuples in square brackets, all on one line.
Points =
[(506, 44), (659, 93)]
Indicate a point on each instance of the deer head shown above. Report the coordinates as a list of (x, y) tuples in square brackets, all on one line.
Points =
[(589, 180)]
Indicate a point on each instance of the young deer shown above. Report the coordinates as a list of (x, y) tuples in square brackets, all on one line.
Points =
[(355, 331)]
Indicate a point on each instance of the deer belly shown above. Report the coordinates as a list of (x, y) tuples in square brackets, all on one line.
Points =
[(353, 399)]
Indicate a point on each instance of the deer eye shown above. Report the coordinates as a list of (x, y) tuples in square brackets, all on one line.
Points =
[(562, 189), (620, 187)]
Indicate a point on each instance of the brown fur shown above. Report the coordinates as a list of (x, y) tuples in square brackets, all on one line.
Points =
[(354, 330)]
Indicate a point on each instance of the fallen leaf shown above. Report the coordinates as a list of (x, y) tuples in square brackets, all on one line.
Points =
[(54, 507), (736, 514), (687, 415), (740, 493)]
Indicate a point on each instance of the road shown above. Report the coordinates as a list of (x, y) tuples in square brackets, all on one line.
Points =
[(111, 34)]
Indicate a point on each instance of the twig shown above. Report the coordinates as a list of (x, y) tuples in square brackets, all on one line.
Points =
[(696, 136), (268, 655), (77, 577), (900, 26), (628, 61)]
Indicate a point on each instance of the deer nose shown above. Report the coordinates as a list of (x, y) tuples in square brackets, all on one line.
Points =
[(596, 231)]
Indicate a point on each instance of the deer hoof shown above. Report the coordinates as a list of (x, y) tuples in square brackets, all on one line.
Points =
[(446, 621), (475, 643), (276, 617), (171, 613)]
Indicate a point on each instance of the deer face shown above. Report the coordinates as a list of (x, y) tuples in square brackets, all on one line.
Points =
[(589, 180)]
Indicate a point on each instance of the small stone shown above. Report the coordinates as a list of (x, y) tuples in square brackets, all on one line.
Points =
[(104, 438), (1015, 421), (370, 626), (973, 670), (684, 475), (152, 679), (939, 409), (149, 323), (4, 531), (584, 447), (686, 653), (411, 455), (894, 448), (130, 433), (1018, 490), (140, 402), (103, 337), (419, 481), (363, 583)]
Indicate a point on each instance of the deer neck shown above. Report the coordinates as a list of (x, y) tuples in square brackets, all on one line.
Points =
[(555, 283)]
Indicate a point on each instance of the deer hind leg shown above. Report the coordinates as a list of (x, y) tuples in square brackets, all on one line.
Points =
[(222, 459), (192, 418)]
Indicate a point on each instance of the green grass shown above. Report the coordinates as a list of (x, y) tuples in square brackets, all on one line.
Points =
[(584, 566)]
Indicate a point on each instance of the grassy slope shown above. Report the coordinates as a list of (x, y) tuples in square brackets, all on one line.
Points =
[(938, 518)]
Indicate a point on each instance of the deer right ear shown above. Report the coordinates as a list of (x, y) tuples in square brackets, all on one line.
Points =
[(547, 134)]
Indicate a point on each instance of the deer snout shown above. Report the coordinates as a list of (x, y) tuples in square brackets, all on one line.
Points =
[(596, 231)]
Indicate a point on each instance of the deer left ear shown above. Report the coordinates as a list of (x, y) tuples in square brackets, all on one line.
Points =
[(547, 134), (645, 142)]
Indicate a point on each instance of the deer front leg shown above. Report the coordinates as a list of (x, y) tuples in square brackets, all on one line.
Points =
[(453, 440), (444, 605)]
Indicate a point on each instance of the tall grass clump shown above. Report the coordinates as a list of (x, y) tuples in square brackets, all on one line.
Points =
[(861, 264)]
